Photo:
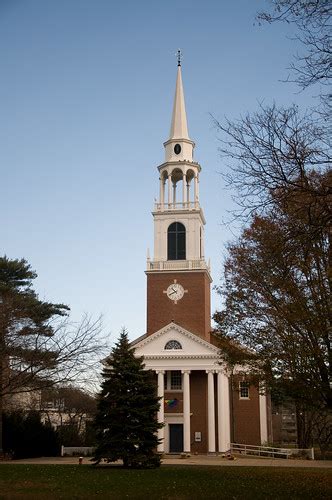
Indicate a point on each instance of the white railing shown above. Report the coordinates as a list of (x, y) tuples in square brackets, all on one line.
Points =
[(188, 205), (84, 451), (176, 265), (272, 452)]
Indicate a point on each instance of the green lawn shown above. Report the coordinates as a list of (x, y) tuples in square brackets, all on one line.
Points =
[(168, 482)]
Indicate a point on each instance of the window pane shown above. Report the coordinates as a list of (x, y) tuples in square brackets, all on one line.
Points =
[(171, 251), (244, 390), (176, 242), (173, 344), (176, 380), (181, 246)]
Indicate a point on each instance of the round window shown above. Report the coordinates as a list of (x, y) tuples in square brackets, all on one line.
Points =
[(177, 149)]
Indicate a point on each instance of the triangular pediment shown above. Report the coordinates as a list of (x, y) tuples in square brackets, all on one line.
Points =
[(191, 345)]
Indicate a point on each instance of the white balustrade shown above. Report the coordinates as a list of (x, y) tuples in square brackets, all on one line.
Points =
[(171, 206), (158, 265)]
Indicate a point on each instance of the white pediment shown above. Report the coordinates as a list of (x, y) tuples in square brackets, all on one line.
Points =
[(153, 346)]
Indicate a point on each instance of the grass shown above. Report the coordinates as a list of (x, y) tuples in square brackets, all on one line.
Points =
[(21, 481)]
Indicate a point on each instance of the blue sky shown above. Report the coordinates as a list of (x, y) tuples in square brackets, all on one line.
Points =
[(86, 90)]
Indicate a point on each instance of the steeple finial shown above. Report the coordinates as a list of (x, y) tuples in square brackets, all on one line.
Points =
[(179, 57)]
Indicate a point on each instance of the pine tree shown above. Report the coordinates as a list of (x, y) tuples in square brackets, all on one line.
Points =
[(38, 347), (25, 326), (126, 423)]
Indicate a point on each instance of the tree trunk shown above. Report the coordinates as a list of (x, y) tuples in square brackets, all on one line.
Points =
[(304, 428)]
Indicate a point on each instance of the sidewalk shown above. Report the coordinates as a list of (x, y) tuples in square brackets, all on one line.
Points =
[(193, 460)]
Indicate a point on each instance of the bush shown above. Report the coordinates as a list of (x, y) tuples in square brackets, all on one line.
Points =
[(26, 437)]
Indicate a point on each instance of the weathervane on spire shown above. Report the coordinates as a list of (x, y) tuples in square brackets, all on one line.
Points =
[(179, 57)]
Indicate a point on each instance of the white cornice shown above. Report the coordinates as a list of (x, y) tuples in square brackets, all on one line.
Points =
[(179, 163), (181, 356)]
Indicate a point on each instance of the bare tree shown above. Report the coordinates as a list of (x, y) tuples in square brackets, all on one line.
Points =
[(312, 19), (64, 406), (75, 350), (270, 150)]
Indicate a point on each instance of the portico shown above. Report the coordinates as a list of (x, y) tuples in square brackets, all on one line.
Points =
[(201, 407)]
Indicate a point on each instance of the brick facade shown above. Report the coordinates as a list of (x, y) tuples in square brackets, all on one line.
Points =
[(192, 312), (245, 423), (198, 399)]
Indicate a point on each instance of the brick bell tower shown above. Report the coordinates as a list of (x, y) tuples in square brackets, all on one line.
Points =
[(178, 277)]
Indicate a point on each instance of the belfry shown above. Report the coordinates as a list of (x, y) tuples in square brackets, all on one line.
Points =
[(199, 408)]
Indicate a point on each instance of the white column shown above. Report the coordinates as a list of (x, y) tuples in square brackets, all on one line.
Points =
[(211, 411), (169, 190), (184, 198), (224, 430), (174, 193), (202, 242), (195, 188), (263, 418), (162, 187), (186, 411), (160, 414)]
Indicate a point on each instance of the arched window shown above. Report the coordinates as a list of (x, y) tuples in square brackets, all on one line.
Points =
[(176, 242), (173, 344)]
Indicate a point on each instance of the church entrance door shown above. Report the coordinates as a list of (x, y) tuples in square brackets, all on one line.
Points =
[(175, 438)]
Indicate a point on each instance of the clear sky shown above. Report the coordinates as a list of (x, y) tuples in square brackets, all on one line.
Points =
[(86, 91)]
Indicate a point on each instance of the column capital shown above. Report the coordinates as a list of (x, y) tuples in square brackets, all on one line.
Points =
[(211, 371), (160, 371), (186, 371)]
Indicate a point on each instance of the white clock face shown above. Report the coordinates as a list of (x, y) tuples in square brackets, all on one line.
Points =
[(175, 291)]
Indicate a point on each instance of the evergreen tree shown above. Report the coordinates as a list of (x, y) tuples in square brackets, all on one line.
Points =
[(126, 423), (25, 326), (38, 347)]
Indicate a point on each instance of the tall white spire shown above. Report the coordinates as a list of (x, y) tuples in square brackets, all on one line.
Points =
[(179, 147), (179, 128)]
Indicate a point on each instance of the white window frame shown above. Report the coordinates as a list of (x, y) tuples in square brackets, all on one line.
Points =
[(244, 386), (175, 342), (168, 381)]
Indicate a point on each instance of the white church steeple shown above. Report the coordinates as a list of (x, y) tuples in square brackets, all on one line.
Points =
[(179, 128), (178, 218), (179, 146)]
